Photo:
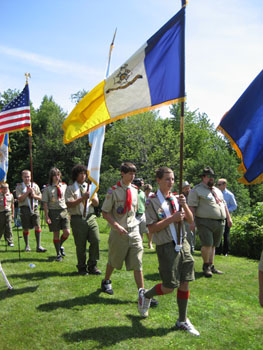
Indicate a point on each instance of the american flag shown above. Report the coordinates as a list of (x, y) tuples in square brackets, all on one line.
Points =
[(16, 114)]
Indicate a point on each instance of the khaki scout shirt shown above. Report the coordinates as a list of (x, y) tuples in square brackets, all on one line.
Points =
[(9, 202), (115, 201), (155, 213), (50, 196), (202, 199), (72, 195), (19, 192)]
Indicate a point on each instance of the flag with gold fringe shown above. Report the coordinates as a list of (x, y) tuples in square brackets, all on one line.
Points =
[(151, 77), (243, 126)]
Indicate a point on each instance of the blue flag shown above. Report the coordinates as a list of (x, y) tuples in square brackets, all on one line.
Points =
[(243, 126)]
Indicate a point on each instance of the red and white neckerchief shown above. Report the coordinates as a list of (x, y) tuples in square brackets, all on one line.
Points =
[(128, 202)]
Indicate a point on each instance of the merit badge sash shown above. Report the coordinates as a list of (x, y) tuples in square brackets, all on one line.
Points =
[(166, 209), (82, 206), (35, 201)]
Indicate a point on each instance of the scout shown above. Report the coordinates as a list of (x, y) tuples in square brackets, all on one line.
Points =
[(6, 214)]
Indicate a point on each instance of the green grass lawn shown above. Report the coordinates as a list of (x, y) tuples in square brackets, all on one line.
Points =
[(51, 307)]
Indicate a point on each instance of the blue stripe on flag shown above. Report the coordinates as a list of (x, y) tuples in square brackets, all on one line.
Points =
[(164, 61)]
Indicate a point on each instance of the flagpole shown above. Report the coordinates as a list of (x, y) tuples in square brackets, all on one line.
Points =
[(184, 2), (27, 75)]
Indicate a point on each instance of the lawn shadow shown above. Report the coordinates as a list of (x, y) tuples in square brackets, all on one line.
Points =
[(9, 293), (110, 336), (152, 277), (26, 260), (93, 298), (199, 275)]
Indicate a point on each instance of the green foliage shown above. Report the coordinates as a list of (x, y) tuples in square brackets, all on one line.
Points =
[(246, 235)]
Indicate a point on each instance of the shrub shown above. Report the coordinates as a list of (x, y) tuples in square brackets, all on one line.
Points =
[(246, 235)]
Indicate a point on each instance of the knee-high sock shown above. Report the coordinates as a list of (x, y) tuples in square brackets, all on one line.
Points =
[(25, 235), (57, 245), (38, 238), (182, 301), (63, 239), (156, 290)]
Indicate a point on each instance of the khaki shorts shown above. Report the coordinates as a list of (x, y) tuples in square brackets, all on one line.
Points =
[(210, 231), (28, 219), (126, 248), (175, 267), (59, 220), (6, 225)]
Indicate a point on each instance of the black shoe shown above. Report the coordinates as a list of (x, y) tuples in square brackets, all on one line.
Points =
[(106, 287), (41, 250), (83, 272), (154, 302), (214, 270), (62, 251), (59, 258), (94, 270)]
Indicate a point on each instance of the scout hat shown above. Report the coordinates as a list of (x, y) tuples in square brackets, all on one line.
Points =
[(208, 171)]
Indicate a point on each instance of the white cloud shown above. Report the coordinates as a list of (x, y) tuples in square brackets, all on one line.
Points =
[(51, 64)]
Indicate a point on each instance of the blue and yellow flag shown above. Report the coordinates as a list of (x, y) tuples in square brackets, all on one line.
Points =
[(151, 77), (243, 126)]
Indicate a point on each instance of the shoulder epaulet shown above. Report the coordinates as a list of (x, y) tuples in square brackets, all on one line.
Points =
[(135, 186), (175, 193), (63, 183), (153, 195), (114, 187)]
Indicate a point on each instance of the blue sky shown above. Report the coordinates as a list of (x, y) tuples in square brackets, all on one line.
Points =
[(65, 45)]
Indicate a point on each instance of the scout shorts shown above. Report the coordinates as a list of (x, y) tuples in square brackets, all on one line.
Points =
[(29, 220), (210, 231), (59, 220), (175, 267), (126, 248)]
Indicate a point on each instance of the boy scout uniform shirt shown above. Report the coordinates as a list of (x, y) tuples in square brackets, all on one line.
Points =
[(50, 196), (19, 192), (72, 195), (155, 213), (9, 202), (205, 203), (115, 201)]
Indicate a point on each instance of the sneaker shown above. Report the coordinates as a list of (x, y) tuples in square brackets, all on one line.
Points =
[(186, 326), (106, 287), (41, 250), (143, 303), (154, 302), (27, 249), (93, 270), (207, 270), (214, 270), (62, 251), (59, 258), (83, 272)]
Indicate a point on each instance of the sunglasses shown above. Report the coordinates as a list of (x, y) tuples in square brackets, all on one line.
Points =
[(220, 184)]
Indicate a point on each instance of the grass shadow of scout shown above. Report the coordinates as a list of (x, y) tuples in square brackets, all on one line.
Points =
[(93, 298), (109, 336)]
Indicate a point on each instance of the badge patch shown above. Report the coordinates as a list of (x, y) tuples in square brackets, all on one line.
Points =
[(120, 210), (110, 191), (160, 213)]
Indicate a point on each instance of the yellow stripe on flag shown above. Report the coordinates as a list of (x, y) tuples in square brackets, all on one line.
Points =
[(90, 112)]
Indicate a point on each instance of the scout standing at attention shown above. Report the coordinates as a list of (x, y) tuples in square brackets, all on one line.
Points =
[(176, 264), (125, 243), (6, 214), (28, 195), (83, 221), (56, 210)]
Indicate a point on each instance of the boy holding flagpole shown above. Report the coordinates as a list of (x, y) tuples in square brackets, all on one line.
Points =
[(176, 264)]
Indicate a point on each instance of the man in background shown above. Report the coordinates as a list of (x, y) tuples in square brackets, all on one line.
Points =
[(231, 205)]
